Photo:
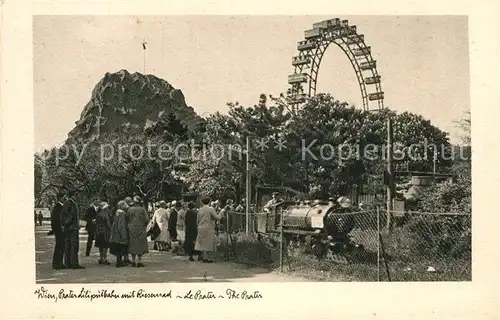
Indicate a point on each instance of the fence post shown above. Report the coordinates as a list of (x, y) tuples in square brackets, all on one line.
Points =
[(281, 240), (378, 244), (390, 174)]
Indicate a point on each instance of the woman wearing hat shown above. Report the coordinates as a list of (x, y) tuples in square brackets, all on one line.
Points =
[(205, 239), (161, 218), (103, 232), (181, 224), (137, 224), (119, 234), (172, 225)]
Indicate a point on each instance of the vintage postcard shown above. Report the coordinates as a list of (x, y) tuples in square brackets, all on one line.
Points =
[(198, 157)]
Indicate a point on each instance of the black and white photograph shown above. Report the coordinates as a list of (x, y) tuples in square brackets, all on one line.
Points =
[(234, 159), (268, 149)]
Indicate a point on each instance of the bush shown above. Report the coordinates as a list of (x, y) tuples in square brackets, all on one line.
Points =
[(435, 236)]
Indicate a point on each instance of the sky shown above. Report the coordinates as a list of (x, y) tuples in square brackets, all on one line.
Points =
[(423, 61)]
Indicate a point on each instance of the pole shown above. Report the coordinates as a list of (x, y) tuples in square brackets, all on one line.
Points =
[(281, 240), (385, 257), (144, 54), (378, 244), (248, 191), (434, 159), (390, 175)]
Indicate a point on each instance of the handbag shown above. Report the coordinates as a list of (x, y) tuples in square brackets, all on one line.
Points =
[(153, 230)]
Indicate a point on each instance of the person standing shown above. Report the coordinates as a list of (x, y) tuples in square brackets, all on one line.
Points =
[(161, 218), (274, 200), (205, 240), (129, 202), (71, 227), (137, 224), (180, 224), (40, 218), (102, 232), (191, 230), (90, 219), (57, 231), (119, 234), (172, 226)]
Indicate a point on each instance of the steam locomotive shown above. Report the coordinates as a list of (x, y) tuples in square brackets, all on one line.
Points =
[(323, 227)]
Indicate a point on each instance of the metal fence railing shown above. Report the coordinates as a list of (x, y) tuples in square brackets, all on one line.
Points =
[(428, 246), (413, 246)]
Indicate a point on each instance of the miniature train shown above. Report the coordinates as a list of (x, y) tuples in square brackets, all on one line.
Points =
[(323, 227)]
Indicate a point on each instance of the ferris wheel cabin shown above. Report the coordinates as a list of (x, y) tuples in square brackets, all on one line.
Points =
[(301, 60), (355, 39), (361, 52), (368, 65), (299, 98), (312, 33), (298, 78), (372, 80), (306, 45), (327, 24), (347, 31), (376, 96)]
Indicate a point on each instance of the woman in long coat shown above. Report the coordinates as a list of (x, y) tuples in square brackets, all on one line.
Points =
[(103, 232), (181, 224), (137, 224), (119, 234), (191, 225), (161, 218), (205, 240)]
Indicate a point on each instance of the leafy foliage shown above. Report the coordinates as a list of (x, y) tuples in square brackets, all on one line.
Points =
[(443, 235), (331, 127)]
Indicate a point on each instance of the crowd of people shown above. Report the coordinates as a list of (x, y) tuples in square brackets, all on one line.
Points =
[(177, 226)]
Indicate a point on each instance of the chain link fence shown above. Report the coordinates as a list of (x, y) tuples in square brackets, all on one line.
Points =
[(384, 246), (425, 246)]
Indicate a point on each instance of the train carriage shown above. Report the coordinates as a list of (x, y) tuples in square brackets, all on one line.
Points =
[(322, 226)]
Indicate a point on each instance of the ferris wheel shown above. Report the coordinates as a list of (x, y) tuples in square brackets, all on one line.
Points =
[(311, 50)]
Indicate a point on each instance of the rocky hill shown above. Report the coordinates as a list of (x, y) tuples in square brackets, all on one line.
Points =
[(125, 103)]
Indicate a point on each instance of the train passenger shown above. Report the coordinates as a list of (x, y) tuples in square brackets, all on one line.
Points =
[(274, 200)]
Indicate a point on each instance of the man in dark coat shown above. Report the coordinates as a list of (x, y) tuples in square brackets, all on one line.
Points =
[(57, 231), (71, 226), (40, 218), (172, 222), (90, 218), (191, 222), (130, 202)]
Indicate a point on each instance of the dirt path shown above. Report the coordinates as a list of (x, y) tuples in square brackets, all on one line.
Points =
[(159, 267)]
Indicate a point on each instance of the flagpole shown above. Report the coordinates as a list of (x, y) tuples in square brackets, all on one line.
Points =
[(144, 54)]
